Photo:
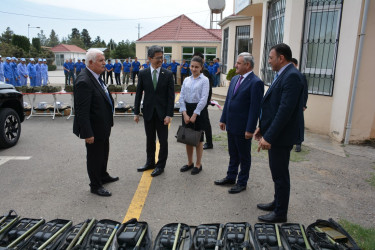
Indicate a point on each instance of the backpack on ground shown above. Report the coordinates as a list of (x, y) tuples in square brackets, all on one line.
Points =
[(295, 236), (102, 236), (238, 236), (208, 236), (134, 234), (268, 236), (174, 236)]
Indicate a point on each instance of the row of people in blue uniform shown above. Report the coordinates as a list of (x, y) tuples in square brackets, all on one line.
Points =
[(72, 69), (131, 69), (16, 72)]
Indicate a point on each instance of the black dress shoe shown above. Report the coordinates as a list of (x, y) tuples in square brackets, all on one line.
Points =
[(272, 218), (208, 146), (145, 167), (109, 179), (101, 191), (157, 171), (225, 181), (236, 189), (186, 168), (196, 170), (267, 206)]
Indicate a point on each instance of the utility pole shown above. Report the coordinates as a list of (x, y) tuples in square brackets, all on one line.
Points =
[(139, 30)]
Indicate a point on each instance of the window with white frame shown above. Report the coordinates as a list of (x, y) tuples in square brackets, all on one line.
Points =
[(243, 41), (320, 43), (225, 50), (274, 35), (209, 53)]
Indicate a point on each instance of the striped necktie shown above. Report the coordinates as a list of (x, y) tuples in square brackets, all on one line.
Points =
[(105, 91)]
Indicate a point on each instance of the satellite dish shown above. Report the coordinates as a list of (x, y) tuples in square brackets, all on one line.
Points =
[(216, 6)]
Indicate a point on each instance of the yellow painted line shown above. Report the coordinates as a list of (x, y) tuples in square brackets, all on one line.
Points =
[(140, 195)]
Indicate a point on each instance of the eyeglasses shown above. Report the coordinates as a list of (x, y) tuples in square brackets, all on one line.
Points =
[(160, 58)]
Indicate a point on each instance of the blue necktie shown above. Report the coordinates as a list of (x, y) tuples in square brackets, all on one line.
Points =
[(105, 91)]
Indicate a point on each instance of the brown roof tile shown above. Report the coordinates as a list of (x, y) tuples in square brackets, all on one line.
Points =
[(67, 48), (182, 28)]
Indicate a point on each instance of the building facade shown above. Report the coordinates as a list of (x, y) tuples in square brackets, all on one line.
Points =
[(65, 51), (325, 37)]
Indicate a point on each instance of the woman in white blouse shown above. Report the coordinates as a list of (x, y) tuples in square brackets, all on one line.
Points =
[(193, 99)]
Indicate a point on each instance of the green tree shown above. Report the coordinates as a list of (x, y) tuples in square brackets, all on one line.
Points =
[(123, 50), (6, 37), (53, 39), (21, 42), (36, 44), (86, 38), (42, 37), (7, 49), (75, 34)]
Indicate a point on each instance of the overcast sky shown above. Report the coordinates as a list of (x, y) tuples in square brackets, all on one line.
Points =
[(117, 19)]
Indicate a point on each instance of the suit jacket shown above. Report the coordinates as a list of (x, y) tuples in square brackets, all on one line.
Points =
[(241, 109), (160, 99), (93, 111), (282, 109)]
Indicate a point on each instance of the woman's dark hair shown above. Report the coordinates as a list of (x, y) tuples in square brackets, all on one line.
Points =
[(198, 59)]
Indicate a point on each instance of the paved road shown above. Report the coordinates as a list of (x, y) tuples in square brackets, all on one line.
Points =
[(53, 183)]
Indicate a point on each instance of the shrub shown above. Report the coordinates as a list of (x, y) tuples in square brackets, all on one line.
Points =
[(69, 88), (115, 88), (52, 67), (177, 88), (231, 73), (131, 88), (50, 89)]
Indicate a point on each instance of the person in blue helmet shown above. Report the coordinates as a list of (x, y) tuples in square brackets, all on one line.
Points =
[(16, 75), (117, 67), (32, 72), (174, 66), (8, 72), (126, 71), (22, 70), (1, 70), (38, 69), (44, 72)]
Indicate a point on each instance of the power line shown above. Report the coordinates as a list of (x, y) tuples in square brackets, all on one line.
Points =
[(94, 20)]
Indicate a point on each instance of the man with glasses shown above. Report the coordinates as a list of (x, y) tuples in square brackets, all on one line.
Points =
[(158, 104)]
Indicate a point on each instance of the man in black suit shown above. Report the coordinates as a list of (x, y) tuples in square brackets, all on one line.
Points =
[(158, 87), (278, 131), (93, 120)]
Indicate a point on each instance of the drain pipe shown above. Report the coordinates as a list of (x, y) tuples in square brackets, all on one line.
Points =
[(357, 67)]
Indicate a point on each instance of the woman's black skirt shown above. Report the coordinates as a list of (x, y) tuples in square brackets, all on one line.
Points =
[(199, 122)]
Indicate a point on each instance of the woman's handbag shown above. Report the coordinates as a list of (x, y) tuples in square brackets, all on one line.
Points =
[(188, 136)]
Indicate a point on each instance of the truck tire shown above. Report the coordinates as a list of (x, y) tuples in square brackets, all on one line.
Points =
[(10, 128)]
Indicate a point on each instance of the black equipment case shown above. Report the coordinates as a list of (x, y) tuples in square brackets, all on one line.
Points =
[(207, 236), (135, 235), (174, 236), (239, 236)]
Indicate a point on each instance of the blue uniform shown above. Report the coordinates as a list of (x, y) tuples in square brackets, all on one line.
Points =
[(136, 66), (117, 68), (145, 65), (22, 70), (44, 74), (2, 71), (183, 70), (109, 66), (38, 69), (8, 73), (216, 76), (78, 67), (16, 75), (165, 65), (83, 65), (127, 66), (32, 74), (174, 67), (71, 72)]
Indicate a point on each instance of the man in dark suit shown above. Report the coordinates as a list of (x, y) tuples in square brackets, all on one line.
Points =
[(158, 104), (240, 116), (93, 120), (305, 97), (279, 128)]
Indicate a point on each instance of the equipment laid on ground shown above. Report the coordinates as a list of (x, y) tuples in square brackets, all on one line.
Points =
[(208, 236), (324, 234), (238, 236), (174, 236), (135, 235), (295, 236), (46, 235), (101, 235), (20, 232), (74, 237), (268, 236), (6, 223)]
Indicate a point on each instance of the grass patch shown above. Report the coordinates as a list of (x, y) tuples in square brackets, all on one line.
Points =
[(222, 138), (371, 180), (364, 237), (299, 156)]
